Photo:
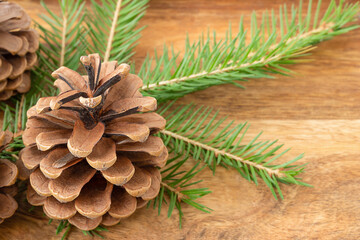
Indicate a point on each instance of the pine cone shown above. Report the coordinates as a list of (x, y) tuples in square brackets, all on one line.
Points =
[(8, 174), (91, 148), (18, 44)]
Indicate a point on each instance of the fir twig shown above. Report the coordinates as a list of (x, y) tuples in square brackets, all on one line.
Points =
[(196, 132), (65, 34), (209, 61), (178, 187), (112, 28), (218, 152)]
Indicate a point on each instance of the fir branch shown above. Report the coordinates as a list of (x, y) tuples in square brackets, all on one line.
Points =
[(210, 62), (64, 32), (191, 131), (177, 187), (112, 28), (218, 152)]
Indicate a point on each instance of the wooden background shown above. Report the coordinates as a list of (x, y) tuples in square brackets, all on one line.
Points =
[(317, 111)]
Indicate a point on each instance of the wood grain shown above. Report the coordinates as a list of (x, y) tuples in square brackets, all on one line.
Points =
[(316, 111)]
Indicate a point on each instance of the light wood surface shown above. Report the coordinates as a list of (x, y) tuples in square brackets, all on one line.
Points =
[(317, 111)]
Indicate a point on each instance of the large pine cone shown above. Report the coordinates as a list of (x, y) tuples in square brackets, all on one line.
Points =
[(8, 174), (91, 150), (18, 44)]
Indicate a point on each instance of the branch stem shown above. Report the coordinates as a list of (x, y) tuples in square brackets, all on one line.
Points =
[(217, 152), (176, 191), (19, 125), (63, 40), (263, 61), (112, 31)]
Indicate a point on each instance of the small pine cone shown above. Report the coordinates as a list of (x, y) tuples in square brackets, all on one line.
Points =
[(18, 44), (8, 174), (91, 148)]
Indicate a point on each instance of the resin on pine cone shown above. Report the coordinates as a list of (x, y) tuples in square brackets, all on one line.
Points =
[(91, 148), (18, 44), (8, 174)]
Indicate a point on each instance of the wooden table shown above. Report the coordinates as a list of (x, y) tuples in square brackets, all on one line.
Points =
[(317, 111)]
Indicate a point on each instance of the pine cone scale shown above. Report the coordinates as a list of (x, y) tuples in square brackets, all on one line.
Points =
[(72, 78), (18, 23), (13, 84), (120, 172), (57, 210), (5, 138), (50, 139), (76, 144), (64, 118), (24, 47), (144, 104), (33, 197), (32, 38), (120, 72), (8, 206), (63, 98), (68, 186), (139, 183), (154, 189), (99, 159), (5, 69), (18, 65), (31, 156), (144, 159), (108, 220), (126, 88), (122, 203), (95, 198), (8, 175), (10, 43), (30, 60), (56, 161), (84, 223), (40, 183), (9, 11), (135, 132), (153, 146)]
